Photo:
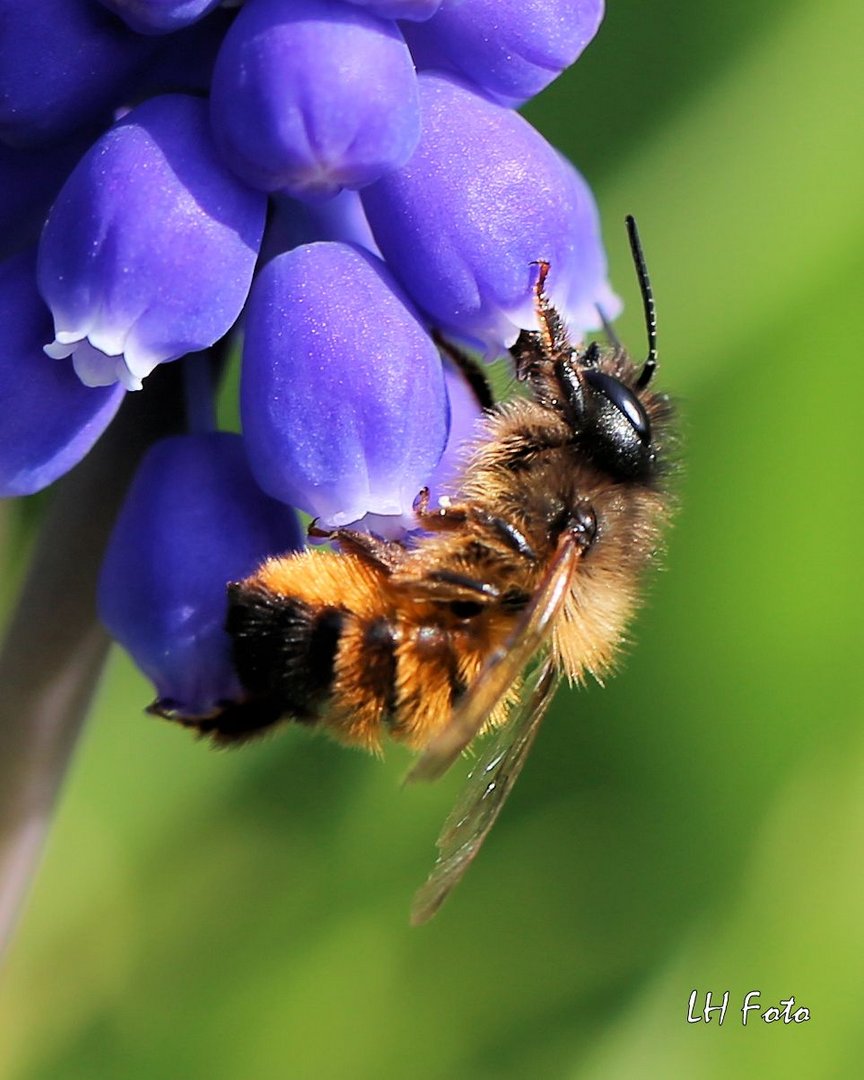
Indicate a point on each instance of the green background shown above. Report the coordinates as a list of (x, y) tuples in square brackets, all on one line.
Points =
[(697, 824)]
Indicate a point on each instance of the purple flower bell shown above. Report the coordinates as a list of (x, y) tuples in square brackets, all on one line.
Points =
[(482, 199), (193, 520), (48, 419), (342, 395), (148, 251), (66, 64), (310, 96), (411, 10), (508, 49), (159, 16)]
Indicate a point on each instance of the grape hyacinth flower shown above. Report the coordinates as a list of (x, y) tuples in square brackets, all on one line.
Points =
[(509, 52), (362, 384), (339, 185), (172, 540), (117, 325), (71, 416), (159, 16), (444, 222), (309, 137)]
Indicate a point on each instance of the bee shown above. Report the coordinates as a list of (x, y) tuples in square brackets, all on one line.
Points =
[(528, 572)]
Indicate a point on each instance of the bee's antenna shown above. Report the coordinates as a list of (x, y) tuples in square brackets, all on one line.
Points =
[(650, 365)]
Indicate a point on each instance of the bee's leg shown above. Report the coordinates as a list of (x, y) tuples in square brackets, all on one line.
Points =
[(445, 516), (232, 723), (504, 532), (534, 350), (528, 356), (385, 555), (552, 331), (421, 503), (470, 370), (454, 516)]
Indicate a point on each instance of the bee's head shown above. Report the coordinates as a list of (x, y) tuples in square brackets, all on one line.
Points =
[(607, 412), (611, 421)]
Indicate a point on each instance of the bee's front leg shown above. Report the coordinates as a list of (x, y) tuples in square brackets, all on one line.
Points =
[(446, 515), (384, 555)]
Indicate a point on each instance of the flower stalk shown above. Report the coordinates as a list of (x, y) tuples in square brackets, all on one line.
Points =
[(55, 644)]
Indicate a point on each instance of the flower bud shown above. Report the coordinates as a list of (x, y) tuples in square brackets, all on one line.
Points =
[(148, 251), (159, 16), (310, 96), (508, 49), (482, 199), (193, 521), (342, 393)]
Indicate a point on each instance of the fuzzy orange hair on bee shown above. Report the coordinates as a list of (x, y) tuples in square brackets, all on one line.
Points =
[(530, 571)]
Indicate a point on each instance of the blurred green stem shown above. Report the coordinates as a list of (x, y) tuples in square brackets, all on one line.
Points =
[(55, 647)]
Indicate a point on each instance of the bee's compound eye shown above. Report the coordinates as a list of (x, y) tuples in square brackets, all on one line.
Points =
[(622, 398)]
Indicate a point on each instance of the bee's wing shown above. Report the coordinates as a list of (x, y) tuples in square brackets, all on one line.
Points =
[(503, 667), (488, 786)]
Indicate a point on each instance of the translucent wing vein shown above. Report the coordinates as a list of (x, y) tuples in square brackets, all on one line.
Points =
[(492, 779), (485, 792)]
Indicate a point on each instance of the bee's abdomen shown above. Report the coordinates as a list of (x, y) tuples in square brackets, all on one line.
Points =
[(325, 639), (284, 649), (359, 675), (393, 676), (364, 694), (312, 662)]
